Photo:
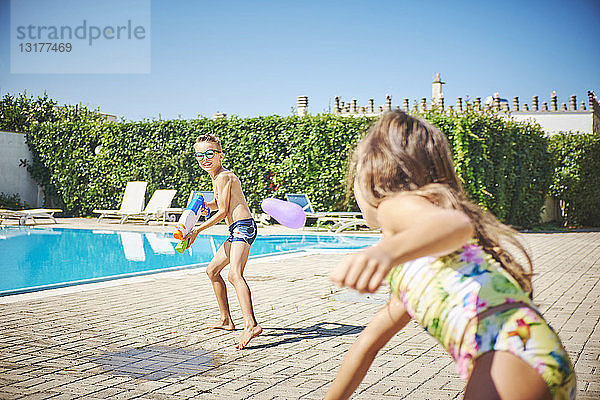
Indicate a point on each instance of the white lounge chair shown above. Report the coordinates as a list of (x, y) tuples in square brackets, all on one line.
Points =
[(156, 209), (24, 215), (341, 219), (344, 224), (133, 201)]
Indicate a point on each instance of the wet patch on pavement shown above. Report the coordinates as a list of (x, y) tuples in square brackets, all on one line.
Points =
[(155, 363)]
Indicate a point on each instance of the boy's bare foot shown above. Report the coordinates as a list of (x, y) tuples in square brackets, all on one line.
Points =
[(247, 335), (223, 324)]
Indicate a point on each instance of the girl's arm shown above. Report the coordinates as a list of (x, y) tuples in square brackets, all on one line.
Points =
[(412, 227), (386, 323)]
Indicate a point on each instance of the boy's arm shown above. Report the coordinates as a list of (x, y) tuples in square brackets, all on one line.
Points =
[(211, 204), (224, 190)]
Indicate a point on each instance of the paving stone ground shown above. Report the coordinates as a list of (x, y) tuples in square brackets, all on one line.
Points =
[(148, 338)]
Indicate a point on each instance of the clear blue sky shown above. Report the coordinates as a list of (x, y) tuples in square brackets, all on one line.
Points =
[(254, 58)]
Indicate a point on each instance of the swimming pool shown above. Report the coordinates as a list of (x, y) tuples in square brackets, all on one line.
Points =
[(35, 258)]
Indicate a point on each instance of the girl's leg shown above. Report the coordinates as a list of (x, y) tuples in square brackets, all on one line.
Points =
[(503, 375), (386, 323), (219, 261), (238, 258)]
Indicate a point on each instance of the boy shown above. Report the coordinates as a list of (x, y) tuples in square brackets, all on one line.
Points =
[(231, 205)]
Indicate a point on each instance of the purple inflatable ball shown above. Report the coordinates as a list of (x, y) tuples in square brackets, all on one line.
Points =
[(285, 212)]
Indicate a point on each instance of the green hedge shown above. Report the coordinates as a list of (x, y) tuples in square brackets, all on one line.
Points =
[(504, 165), (12, 201), (271, 155), (576, 178), (19, 112)]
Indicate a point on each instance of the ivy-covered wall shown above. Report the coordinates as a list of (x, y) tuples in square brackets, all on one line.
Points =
[(84, 162), (576, 177), (87, 163), (504, 164)]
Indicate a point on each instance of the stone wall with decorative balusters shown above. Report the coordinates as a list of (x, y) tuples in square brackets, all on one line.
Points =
[(582, 117)]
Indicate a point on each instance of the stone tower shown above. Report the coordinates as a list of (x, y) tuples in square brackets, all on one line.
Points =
[(436, 89)]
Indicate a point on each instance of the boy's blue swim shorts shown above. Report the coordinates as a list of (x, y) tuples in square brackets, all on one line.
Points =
[(243, 230)]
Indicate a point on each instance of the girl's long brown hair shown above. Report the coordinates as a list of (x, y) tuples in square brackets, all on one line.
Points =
[(403, 153)]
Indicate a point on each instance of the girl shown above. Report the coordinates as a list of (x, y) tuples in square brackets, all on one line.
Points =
[(447, 267)]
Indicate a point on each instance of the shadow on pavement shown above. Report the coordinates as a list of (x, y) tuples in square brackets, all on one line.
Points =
[(292, 335)]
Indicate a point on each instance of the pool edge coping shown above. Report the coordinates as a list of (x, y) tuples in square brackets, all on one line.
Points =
[(119, 281)]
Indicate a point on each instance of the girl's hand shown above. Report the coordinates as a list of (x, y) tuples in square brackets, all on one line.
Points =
[(204, 211), (363, 271)]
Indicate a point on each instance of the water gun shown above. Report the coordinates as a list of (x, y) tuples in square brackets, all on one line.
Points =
[(188, 219)]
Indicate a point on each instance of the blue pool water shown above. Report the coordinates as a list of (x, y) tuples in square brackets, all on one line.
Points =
[(42, 258)]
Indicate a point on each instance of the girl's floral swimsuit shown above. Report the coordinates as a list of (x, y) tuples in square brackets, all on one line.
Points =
[(443, 294)]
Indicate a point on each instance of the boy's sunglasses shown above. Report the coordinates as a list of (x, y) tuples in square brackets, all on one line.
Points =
[(208, 153)]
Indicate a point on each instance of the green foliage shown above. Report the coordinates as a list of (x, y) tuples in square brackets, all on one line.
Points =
[(504, 165), (85, 163), (19, 112), (576, 181), (281, 155), (271, 156), (12, 201)]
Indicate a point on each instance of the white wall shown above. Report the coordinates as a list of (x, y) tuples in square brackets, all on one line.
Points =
[(15, 179), (559, 121)]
